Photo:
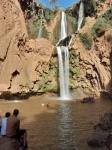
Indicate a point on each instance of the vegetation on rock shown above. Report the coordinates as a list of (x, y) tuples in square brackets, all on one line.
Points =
[(74, 66), (102, 24), (90, 7), (48, 14), (86, 40)]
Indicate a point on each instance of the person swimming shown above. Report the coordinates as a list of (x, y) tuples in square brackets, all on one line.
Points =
[(46, 105)]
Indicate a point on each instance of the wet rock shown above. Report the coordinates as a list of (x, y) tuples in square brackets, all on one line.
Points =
[(9, 144), (105, 95), (97, 140), (110, 147), (102, 135)]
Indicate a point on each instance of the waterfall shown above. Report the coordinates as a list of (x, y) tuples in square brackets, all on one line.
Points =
[(63, 26), (63, 57), (81, 15), (63, 71), (40, 28), (63, 54)]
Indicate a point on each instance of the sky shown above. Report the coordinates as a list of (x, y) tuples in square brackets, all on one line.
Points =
[(62, 3)]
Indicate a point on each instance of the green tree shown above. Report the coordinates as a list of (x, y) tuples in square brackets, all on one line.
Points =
[(53, 2)]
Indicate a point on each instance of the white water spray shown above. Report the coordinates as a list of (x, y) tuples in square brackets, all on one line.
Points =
[(63, 27), (63, 56), (40, 28), (81, 15)]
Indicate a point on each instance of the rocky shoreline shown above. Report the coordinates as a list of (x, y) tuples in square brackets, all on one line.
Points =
[(102, 134), (7, 95)]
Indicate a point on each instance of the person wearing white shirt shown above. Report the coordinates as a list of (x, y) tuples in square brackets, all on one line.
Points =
[(3, 123)]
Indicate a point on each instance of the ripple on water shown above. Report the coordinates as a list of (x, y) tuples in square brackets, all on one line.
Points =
[(70, 125), (65, 125)]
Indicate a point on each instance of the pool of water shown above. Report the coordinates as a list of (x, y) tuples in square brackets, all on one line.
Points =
[(64, 125), (71, 125)]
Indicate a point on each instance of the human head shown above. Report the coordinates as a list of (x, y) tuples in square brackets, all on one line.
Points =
[(15, 112), (7, 114)]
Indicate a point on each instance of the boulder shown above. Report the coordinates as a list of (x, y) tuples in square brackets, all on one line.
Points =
[(9, 144)]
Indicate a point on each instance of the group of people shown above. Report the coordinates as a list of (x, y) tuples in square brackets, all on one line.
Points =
[(10, 127), (87, 99)]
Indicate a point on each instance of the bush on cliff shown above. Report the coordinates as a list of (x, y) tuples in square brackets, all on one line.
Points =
[(86, 40), (102, 24), (90, 7), (49, 14)]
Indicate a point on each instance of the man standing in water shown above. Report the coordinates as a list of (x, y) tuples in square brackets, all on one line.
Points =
[(13, 128)]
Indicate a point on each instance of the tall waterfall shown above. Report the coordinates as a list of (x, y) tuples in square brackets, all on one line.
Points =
[(63, 56), (40, 28), (81, 15), (63, 26)]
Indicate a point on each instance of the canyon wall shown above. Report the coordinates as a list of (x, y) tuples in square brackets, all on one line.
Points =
[(22, 61), (90, 50), (31, 65)]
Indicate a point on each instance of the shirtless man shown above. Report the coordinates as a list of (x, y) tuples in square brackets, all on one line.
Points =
[(13, 128)]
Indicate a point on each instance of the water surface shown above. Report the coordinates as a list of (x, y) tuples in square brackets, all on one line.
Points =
[(65, 125), (70, 124)]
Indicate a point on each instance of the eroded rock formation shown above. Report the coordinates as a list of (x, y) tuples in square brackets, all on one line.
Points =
[(21, 60), (32, 65), (90, 53), (92, 47)]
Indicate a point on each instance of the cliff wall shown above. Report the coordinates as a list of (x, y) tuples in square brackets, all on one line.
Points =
[(21, 60), (28, 65)]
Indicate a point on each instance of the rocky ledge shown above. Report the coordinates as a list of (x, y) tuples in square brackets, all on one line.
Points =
[(102, 135)]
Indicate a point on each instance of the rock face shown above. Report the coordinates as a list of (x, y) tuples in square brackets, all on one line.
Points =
[(95, 67), (9, 144), (90, 61), (21, 60), (102, 135), (51, 20), (32, 65), (90, 52), (33, 13)]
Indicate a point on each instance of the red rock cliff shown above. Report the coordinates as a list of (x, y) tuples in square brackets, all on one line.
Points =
[(21, 60)]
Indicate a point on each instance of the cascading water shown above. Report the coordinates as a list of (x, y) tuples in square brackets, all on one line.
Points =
[(63, 71), (81, 15), (63, 62), (63, 27), (40, 28)]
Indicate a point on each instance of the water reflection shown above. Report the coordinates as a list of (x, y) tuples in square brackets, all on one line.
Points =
[(70, 125), (66, 127)]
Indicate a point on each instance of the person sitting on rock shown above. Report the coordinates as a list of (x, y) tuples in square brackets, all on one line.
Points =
[(3, 124), (13, 128)]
